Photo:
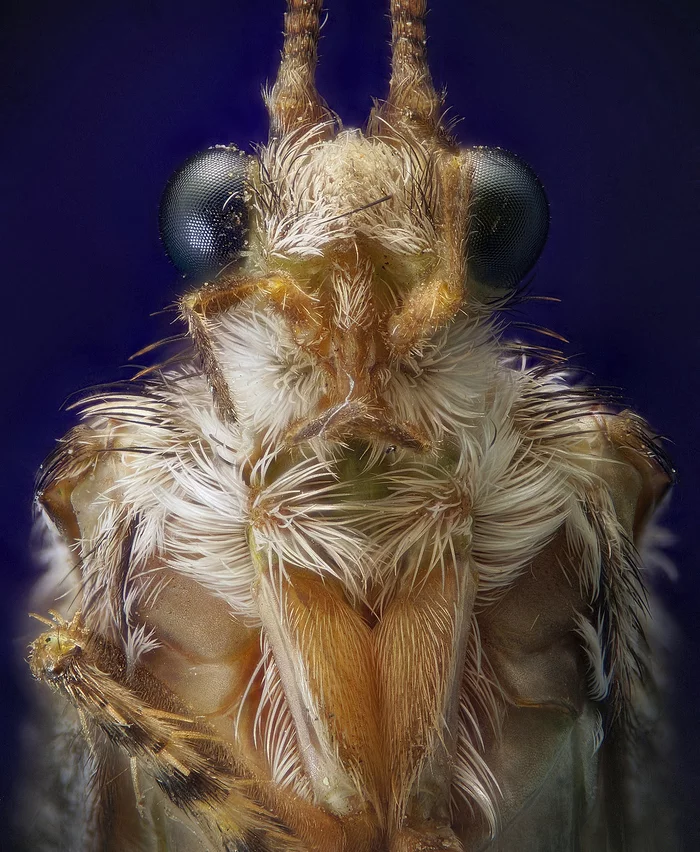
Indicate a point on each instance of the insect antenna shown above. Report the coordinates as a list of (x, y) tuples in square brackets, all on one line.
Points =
[(412, 101), (293, 101)]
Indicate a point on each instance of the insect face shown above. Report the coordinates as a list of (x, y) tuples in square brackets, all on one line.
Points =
[(359, 249)]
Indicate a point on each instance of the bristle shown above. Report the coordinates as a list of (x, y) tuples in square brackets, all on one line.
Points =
[(185, 757)]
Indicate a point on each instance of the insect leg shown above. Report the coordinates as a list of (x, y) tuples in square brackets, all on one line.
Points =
[(188, 761), (323, 651), (294, 101), (435, 302), (413, 101), (421, 647)]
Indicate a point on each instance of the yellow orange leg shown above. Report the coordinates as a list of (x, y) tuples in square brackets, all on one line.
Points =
[(420, 646), (323, 651)]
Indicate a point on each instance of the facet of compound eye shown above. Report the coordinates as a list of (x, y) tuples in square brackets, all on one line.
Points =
[(508, 221), (203, 214)]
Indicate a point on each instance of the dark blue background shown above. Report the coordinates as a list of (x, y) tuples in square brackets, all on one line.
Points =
[(103, 100)]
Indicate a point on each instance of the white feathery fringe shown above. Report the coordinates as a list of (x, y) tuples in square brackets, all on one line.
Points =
[(274, 727), (622, 599), (443, 388), (273, 381), (425, 509), (654, 543), (518, 504), (479, 705), (352, 295), (581, 540), (302, 518), (316, 191), (598, 733), (593, 644)]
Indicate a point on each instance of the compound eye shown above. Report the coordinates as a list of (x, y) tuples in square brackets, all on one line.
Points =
[(203, 215), (508, 219)]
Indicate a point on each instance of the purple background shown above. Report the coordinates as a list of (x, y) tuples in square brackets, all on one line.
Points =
[(103, 100)]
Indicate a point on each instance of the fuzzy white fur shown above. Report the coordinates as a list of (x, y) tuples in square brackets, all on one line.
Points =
[(512, 464)]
